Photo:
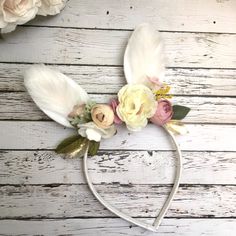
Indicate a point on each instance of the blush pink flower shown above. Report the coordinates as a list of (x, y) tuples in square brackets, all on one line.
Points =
[(155, 83), (163, 113), (113, 104)]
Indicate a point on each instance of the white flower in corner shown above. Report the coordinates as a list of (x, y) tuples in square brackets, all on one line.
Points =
[(51, 7), (92, 132), (16, 12)]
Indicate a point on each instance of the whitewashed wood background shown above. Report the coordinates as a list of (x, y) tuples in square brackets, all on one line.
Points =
[(43, 194)]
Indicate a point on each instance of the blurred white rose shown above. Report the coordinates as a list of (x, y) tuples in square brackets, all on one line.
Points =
[(51, 7), (16, 12), (92, 132)]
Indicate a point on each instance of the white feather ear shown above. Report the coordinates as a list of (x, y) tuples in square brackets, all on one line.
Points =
[(54, 93), (144, 57)]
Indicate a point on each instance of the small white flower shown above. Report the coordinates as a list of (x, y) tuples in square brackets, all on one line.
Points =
[(16, 12), (51, 7), (92, 132)]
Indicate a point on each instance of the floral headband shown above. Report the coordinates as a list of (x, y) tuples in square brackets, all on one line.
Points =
[(145, 98)]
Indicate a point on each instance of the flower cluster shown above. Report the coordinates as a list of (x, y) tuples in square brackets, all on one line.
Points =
[(94, 121), (145, 98), (135, 106), (18, 12)]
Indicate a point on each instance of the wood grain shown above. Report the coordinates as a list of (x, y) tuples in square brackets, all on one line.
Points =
[(137, 200), (46, 135), (181, 15), (197, 82), (40, 192), (19, 106), (154, 167), (104, 47), (117, 227)]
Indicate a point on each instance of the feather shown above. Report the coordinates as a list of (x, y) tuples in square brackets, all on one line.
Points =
[(144, 57), (53, 92)]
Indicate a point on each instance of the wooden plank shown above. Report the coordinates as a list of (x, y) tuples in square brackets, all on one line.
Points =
[(137, 200), (19, 106), (216, 82), (157, 167), (46, 135), (117, 227), (105, 47), (210, 16)]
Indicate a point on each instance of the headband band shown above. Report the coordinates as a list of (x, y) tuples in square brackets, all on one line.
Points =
[(154, 227)]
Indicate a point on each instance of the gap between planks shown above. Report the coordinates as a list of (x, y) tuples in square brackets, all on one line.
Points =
[(197, 82), (47, 134), (60, 45), (137, 200), (19, 106), (213, 16), (154, 167)]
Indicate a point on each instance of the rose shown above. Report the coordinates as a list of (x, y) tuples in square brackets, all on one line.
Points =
[(92, 132), (163, 114), (16, 12), (51, 7), (113, 104), (102, 116), (136, 104)]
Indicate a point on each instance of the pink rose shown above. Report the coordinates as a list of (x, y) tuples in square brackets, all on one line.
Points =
[(113, 104), (163, 113)]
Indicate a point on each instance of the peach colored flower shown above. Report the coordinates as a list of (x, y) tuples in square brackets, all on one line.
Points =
[(164, 113), (102, 115)]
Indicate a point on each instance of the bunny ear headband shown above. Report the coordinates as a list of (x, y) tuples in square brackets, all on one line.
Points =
[(145, 98)]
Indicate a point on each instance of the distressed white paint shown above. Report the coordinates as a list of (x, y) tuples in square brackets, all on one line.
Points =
[(181, 15), (104, 47), (117, 227), (157, 167), (209, 162), (47, 134), (65, 201), (216, 82)]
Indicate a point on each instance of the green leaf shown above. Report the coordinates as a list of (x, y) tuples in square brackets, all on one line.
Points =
[(93, 148), (72, 145), (179, 112)]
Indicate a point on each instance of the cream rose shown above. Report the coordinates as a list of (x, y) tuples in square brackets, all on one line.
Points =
[(51, 7), (136, 105), (16, 12), (102, 115)]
